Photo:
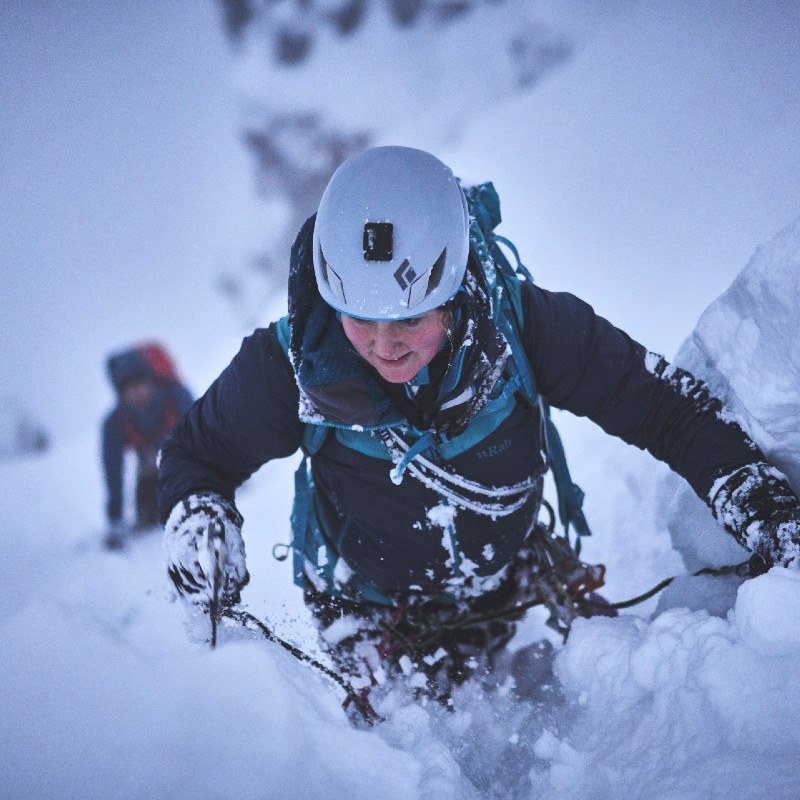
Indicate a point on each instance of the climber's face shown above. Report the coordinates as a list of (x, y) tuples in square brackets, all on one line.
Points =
[(398, 349)]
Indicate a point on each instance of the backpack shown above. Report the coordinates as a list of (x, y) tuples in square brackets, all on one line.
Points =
[(146, 360), (161, 365), (504, 281)]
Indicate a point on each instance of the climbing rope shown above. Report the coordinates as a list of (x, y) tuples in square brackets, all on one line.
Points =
[(563, 598), (562, 595), (253, 623), (746, 569)]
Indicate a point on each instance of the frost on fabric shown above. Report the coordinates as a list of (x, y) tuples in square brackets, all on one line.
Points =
[(342, 572), (186, 537), (444, 516), (757, 505), (347, 625), (469, 333), (688, 386), (307, 411), (464, 581), (467, 568), (456, 490)]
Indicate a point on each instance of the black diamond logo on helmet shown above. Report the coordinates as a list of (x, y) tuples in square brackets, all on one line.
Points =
[(405, 275)]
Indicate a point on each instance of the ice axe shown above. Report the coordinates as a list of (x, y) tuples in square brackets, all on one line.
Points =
[(215, 554)]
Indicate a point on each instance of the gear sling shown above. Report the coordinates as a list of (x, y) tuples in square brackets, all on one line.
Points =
[(312, 549)]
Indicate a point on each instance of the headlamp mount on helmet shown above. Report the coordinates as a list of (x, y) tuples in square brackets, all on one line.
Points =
[(378, 238)]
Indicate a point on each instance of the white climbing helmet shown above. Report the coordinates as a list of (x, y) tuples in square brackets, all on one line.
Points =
[(391, 238)]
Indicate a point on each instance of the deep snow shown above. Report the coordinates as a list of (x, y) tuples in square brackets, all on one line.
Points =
[(105, 695), (654, 162)]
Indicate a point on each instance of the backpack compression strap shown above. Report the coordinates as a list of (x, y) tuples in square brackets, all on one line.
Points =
[(570, 495), (484, 206)]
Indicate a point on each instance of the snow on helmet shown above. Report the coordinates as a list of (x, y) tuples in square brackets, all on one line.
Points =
[(391, 238)]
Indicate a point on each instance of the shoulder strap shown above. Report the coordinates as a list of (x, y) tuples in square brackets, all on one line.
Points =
[(484, 206), (314, 436), (284, 333), (570, 495)]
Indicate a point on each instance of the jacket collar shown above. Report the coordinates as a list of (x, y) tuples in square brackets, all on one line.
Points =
[(337, 388)]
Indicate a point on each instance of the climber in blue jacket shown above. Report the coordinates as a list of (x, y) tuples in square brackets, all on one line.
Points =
[(150, 401)]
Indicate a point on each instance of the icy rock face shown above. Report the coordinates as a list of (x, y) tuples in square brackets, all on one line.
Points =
[(746, 346)]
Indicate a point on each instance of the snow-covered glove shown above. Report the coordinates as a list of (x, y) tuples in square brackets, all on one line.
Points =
[(188, 552), (757, 505)]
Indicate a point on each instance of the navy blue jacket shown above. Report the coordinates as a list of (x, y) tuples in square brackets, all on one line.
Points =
[(581, 363), (142, 430)]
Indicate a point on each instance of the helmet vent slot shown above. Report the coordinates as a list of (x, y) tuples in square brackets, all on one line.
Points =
[(331, 278), (437, 270), (324, 264)]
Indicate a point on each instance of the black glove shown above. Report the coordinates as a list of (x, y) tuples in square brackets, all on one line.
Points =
[(191, 525), (757, 505)]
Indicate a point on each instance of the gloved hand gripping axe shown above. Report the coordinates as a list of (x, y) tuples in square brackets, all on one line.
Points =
[(205, 554)]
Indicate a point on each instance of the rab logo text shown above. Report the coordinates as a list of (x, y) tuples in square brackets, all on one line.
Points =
[(495, 449)]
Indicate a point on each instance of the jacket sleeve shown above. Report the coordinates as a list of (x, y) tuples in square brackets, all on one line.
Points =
[(183, 399), (113, 447), (247, 417), (587, 366)]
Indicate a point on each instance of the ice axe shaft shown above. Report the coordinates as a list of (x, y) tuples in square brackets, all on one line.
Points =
[(217, 555)]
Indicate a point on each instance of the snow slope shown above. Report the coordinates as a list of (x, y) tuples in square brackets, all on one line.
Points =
[(103, 694)]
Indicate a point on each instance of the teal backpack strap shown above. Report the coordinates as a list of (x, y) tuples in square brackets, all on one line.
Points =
[(484, 205), (570, 495), (284, 333), (306, 533), (313, 553), (299, 519), (312, 550)]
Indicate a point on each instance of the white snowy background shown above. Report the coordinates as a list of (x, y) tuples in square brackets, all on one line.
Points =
[(655, 173)]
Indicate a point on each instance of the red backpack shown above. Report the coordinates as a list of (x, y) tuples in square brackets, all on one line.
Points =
[(159, 361)]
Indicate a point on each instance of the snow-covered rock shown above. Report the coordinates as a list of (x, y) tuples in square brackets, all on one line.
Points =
[(746, 346), (689, 705)]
